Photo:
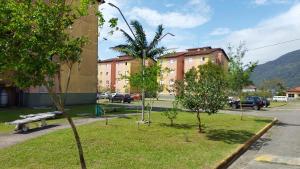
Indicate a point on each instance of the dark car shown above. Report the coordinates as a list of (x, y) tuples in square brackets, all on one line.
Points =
[(266, 102), (120, 98), (251, 101)]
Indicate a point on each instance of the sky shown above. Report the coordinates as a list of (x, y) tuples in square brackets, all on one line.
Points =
[(215, 23)]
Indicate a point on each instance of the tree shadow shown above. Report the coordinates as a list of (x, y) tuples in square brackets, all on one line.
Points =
[(263, 120), (178, 126), (229, 136), (260, 143), (281, 124), (38, 129)]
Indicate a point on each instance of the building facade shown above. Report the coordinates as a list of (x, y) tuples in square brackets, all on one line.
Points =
[(293, 93), (178, 63), (83, 82), (112, 73)]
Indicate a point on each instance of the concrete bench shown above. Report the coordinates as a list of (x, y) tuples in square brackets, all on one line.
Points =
[(23, 124)]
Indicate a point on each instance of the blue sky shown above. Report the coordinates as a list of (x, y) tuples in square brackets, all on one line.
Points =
[(215, 23)]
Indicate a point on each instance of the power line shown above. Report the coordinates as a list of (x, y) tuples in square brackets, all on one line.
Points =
[(275, 44)]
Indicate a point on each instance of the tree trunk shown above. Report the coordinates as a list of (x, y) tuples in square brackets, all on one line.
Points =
[(199, 122), (241, 108), (143, 88), (60, 107), (78, 142)]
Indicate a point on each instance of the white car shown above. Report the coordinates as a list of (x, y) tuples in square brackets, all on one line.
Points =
[(280, 98), (103, 95)]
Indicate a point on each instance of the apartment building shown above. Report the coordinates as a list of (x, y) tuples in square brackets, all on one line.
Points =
[(178, 63), (83, 83), (111, 73)]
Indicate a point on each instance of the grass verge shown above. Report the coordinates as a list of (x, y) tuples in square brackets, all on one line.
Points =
[(122, 144)]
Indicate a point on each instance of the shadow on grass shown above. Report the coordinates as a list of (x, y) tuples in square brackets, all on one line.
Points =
[(178, 126), (263, 120), (229, 136)]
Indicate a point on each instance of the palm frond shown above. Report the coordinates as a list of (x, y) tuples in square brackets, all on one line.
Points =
[(139, 33), (157, 37), (155, 52)]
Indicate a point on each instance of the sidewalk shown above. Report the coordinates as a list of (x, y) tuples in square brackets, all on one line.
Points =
[(7, 140)]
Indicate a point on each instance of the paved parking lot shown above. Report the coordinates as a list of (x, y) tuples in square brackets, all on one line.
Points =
[(279, 148)]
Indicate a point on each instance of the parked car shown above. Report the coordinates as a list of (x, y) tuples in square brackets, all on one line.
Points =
[(280, 99), (251, 101), (120, 97), (103, 95), (136, 96), (266, 102)]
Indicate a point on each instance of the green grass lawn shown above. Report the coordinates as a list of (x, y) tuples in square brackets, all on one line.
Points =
[(77, 111), (121, 144), (277, 104)]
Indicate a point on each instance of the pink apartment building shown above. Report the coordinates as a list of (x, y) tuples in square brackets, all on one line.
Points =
[(180, 62)]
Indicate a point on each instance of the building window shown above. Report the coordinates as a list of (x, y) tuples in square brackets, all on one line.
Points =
[(125, 63), (106, 73), (100, 73), (291, 95), (203, 58), (107, 81), (106, 65), (190, 59), (171, 82), (171, 61), (298, 95)]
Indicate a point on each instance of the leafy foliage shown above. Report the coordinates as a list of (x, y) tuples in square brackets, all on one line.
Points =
[(171, 114), (239, 73), (203, 89)]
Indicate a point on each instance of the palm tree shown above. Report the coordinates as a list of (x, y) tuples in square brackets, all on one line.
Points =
[(138, 47)]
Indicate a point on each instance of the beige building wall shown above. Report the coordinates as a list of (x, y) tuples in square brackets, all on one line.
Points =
[(168, 78), (83, 83), (104, 76), (194, 61), (122, 69)]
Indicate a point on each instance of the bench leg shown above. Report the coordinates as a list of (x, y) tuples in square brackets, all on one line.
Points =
[(43, 123)]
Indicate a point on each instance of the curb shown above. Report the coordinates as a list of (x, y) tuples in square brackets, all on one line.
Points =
[(243, 148)]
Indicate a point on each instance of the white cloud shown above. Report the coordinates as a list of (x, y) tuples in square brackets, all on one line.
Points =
[(169, 5), (193, 14), (283, 27), (264, 2), (220, 31)]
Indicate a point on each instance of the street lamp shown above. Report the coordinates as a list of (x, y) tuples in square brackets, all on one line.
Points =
[(122, 17), (166, 35)]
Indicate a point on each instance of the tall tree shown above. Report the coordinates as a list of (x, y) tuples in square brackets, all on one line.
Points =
[(35, 46), (239, 72), (202, 90), (139, 47)]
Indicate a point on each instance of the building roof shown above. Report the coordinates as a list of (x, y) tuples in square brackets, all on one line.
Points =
[(295, 89), (117, 59), (250, 87), (195, 52)]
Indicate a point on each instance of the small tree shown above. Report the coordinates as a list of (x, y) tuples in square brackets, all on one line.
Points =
[(202, 90), (239, 73), (148, 81), (171, 114)]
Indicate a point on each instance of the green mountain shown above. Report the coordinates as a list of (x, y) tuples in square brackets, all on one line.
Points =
[(286, 68)]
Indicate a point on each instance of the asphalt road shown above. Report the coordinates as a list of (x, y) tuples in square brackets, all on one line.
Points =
[(279, 148)]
